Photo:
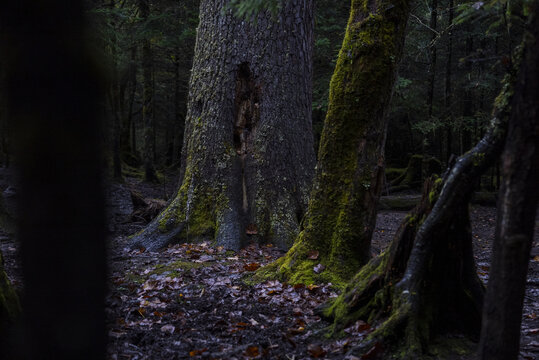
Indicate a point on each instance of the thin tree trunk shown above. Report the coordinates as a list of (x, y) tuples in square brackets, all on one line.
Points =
[(132, 127), (468, 106), (178, 115), (448, 98), (247, 157), (127, 116), (433, 55), (519, 195), (147, 99)]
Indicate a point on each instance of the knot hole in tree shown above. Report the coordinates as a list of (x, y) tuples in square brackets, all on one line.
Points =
[(247, 114), (247, 108)]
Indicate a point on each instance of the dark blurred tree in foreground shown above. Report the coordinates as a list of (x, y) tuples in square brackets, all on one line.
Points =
[(52, 89)]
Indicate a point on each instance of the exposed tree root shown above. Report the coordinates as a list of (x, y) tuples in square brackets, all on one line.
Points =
[(426, 283)]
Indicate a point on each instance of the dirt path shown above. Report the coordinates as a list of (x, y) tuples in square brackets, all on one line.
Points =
[(191, 301)]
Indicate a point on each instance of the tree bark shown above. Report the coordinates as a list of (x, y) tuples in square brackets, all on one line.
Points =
[(433, 55), (247, 158), (448, 96), (52, 104), (349, 177), (147, 99), (519, 194)]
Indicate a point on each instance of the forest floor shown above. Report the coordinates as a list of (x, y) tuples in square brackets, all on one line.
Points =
[(191, 301)]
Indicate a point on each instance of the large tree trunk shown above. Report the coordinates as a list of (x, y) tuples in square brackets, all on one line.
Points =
[(426, 283), (349, 176), (519, 194), (52, 92), (247, 154)]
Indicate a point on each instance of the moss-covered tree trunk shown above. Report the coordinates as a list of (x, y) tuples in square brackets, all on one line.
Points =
[(426, 283), (342, 208), (247, 154), (519, 194)]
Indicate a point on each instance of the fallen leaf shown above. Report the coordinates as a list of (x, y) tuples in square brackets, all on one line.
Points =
[(536, 258), (316, 351), (374, 352), (297, 331), (319, 268), (362, 326), (251, 267), (197, 352), (313, 254), (168, 329), (251, 229), (252, 351), (312, 287)]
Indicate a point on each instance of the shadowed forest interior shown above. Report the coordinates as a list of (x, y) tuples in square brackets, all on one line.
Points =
[(279, 179)]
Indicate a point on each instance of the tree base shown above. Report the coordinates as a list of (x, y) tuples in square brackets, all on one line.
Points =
[(445, 296)]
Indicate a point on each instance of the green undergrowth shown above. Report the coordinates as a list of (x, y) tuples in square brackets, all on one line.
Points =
[(295, 267), (173, 269)]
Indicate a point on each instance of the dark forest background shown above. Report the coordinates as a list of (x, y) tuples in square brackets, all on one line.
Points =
[(455, 55)]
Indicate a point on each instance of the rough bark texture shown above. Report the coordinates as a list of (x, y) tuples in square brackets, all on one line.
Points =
[(52, 94), (247, 154), (519, 194), (438, 290), (349, 176)]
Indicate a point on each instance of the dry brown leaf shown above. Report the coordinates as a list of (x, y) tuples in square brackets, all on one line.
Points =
[(313, 254), (197, 352), (374, 352), (251, 267), (252, 351), (251, 229), (316, 351)]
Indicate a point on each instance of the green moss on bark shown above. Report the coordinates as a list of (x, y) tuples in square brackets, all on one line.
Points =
[(342, 209)]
